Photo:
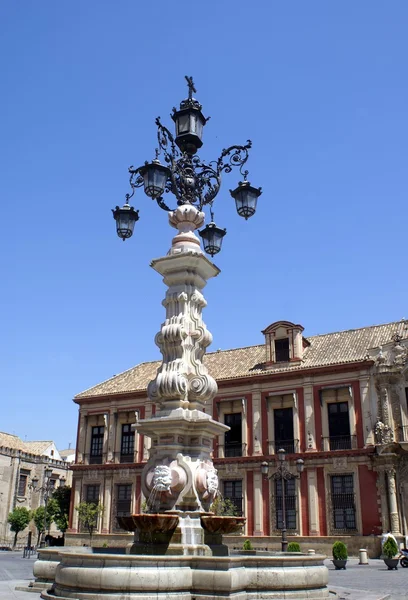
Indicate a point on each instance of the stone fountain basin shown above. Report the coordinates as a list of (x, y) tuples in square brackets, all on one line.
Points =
[(222, 525), (149, 523), (93, 577)]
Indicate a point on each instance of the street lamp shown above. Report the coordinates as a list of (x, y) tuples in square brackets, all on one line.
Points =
[(283, 474), (191, 180), (46, 489)]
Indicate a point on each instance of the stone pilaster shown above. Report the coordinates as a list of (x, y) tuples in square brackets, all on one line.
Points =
[(314, 527), (309, 417), (107, 504), (83, 426)]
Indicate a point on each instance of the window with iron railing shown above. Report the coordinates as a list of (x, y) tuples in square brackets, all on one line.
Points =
[(339, 426), (233, 491), (283, 425), (123, 499), (290, 503), (97, 435), (127, 447), (343, 502), (233, 437)]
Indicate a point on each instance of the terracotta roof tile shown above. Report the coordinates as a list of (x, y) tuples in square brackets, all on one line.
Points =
[(328, 349)]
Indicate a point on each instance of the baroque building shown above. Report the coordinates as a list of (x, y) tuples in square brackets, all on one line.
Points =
[(339, 401), (20, 463)]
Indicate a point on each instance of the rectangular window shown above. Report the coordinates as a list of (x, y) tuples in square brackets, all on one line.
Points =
[(290, 503), (127, 447), (92, 494), (283, 422), (96, 445), (22, 482), (282, 350), (124, 500), (339, 426), (343, 503), (233, 491), (233, 437)]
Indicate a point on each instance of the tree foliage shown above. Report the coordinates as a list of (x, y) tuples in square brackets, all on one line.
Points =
[(223, 507), (18, 519), (88, 514), (62, 498)]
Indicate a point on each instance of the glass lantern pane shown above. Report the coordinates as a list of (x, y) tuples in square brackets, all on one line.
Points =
[(154, 181), (199, 127), (183, 123)]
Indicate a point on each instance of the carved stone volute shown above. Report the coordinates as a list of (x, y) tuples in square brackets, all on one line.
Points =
[(182, 379)]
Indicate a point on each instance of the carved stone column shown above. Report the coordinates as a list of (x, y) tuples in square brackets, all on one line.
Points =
[(392, 500), (179, 473)]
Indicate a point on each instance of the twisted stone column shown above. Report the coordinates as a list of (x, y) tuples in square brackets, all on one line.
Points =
[(392, 500)]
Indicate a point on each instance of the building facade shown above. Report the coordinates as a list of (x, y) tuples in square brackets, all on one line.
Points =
[(338, 401), (20, 463)]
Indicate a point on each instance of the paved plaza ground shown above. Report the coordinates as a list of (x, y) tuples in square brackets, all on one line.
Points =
[(371, 582)]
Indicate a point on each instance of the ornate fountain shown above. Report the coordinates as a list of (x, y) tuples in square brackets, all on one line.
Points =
[(178, 551)]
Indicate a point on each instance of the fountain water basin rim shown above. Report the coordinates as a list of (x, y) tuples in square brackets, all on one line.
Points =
[(149, 522)]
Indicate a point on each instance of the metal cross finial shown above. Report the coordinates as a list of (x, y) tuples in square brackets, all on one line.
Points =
[(191, 86)]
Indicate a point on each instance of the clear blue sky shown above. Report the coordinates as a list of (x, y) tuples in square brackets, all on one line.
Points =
[(320, 88)]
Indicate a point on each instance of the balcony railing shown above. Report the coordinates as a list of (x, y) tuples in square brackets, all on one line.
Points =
[(233, 449), (94, 459), (290, 446), (121, 457), (339, 442)]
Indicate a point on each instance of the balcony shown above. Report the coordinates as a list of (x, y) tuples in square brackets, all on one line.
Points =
[(93, 459), (290, 446), (232, 450), (339, 442), (125, 457)]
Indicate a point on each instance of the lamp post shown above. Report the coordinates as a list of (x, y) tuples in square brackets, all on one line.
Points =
[(283, 474), (45, 489), (188, 178)]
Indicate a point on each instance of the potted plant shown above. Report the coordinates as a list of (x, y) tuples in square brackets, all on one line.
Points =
[(339, 551), (390, 550), (293, 547)]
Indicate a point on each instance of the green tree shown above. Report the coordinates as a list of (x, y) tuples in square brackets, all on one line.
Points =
[(88, 513), (62, 496), (223, 507), (38, 517), (18, 519)]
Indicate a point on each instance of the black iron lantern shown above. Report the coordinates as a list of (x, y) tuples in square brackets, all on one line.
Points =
[(125, 218), (154, 176), (189, 122), (246, 196), (212, 238)]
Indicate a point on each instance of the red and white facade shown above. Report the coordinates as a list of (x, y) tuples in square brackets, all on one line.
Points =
[(338, 401)]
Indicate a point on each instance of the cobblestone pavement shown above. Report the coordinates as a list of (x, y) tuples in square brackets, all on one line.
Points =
[(371, 582)]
